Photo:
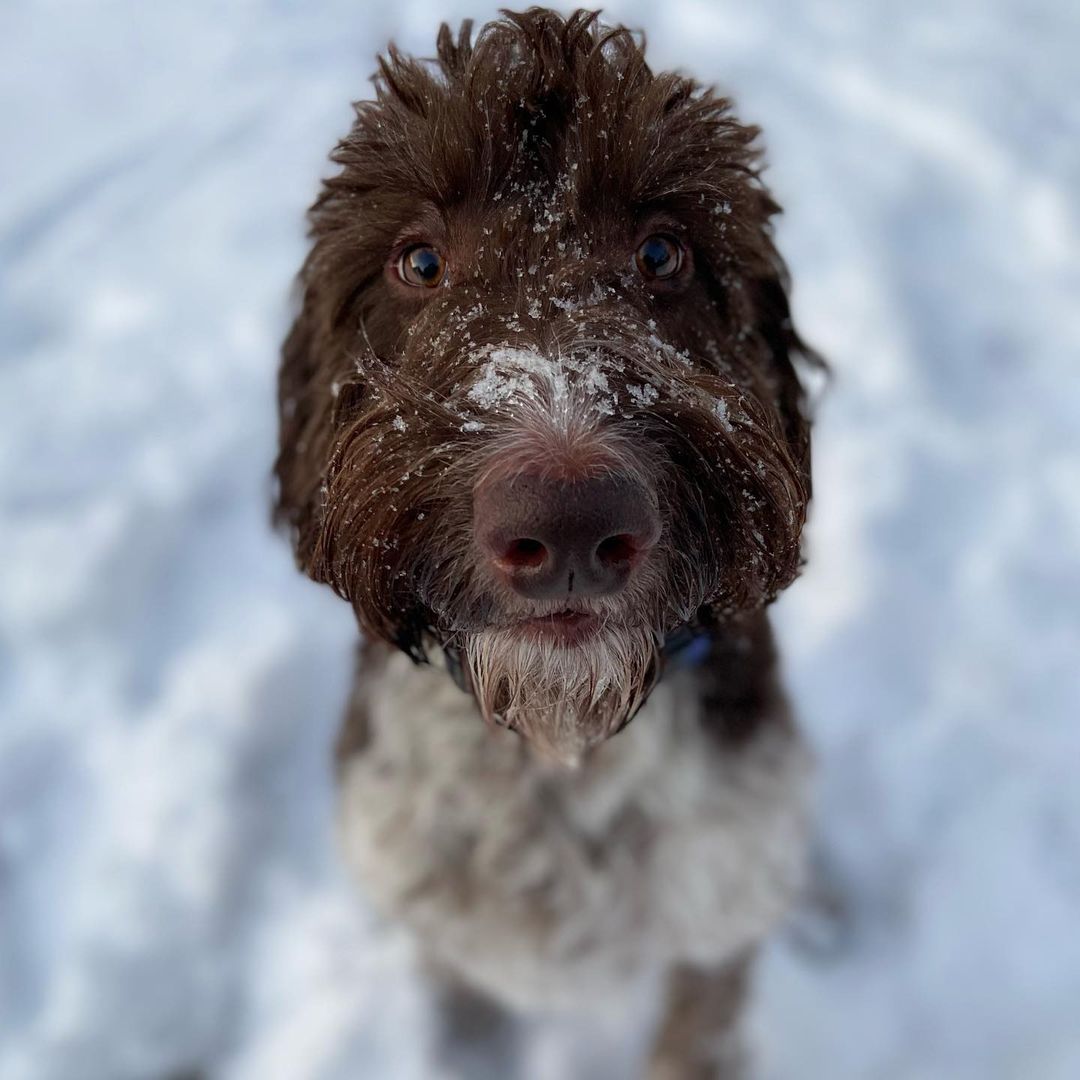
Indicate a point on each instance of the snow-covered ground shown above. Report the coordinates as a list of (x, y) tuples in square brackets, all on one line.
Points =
[(169, 686)]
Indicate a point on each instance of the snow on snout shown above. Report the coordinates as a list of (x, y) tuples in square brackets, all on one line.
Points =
[(523, 382), (510, 376)]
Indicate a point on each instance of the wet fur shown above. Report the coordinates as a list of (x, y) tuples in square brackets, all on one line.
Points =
[(536, 156)]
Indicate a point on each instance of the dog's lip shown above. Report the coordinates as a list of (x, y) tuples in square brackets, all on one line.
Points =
[(567, 627)]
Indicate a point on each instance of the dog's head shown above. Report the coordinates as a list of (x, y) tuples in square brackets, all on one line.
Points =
[(540, 405)]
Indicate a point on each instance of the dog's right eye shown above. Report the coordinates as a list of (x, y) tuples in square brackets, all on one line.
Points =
[(659, 257), (421, 266)]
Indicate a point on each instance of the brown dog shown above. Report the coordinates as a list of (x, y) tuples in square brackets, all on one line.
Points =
[(541, 424)]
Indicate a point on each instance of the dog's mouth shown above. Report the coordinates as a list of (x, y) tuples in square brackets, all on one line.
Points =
[(567, 627), (565, 678)]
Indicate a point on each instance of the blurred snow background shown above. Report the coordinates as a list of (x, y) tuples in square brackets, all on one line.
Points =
[(170, 901)]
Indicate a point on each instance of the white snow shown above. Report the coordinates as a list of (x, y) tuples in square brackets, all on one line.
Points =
[(169, 685), (510, 376), (643, 395), (521, 381)]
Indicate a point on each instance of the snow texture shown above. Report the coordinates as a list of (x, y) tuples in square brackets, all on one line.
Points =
[(170, 897)]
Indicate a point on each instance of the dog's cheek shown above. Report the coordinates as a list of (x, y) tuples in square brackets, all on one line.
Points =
[(306, 432), (735, 500), (391, 529)]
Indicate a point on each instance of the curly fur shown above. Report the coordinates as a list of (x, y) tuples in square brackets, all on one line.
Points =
[(535, 157), (536, 154)]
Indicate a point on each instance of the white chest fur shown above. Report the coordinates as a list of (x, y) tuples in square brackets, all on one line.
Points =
[(546, 887)]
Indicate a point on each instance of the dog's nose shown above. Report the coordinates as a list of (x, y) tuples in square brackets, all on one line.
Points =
[(551, 538)]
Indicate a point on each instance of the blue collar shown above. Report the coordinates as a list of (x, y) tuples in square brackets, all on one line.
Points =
[(686, 647)]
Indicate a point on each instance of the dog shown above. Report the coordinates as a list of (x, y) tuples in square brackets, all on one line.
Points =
[(543, 424)]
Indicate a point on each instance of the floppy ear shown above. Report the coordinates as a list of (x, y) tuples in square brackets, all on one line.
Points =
[(792, 359), (301, 422), (312, 402)]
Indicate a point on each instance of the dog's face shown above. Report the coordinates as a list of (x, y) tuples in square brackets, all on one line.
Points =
[(540, 403)]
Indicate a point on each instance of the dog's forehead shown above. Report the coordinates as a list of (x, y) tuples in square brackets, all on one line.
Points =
[(533, 151), (547, 164), (540, 221)]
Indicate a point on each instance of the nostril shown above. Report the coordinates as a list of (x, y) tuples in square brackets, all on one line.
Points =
[(617, 550), (546, 536), (523, 553)]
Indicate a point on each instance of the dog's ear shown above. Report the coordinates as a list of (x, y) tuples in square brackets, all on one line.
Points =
[(311, 402), (296, 469), (794, 362)]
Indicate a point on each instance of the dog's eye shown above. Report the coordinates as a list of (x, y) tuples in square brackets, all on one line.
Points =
[(659, 257), (421, 265)]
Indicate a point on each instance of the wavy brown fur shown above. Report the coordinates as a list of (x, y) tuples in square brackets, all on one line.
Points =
[(534, 154), (535, 158)]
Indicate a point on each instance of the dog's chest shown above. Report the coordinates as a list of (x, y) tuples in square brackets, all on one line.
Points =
[(543, 885)]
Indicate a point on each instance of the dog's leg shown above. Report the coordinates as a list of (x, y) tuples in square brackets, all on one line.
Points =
[(700, 1035), (475, 1037)]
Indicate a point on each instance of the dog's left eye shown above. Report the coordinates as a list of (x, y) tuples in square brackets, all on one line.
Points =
[(422, 266), (659, 257)]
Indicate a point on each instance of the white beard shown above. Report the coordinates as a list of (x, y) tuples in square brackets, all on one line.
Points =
[(562, 699)]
